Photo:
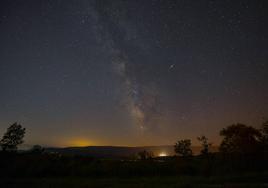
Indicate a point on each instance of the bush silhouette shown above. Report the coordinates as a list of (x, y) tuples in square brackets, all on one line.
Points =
[(37, 149), (143, 155)]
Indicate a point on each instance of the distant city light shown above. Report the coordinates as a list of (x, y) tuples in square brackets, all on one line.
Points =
[(162, 154)]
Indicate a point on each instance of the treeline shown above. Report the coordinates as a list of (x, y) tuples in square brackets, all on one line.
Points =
[(243, 150), (237, 138)]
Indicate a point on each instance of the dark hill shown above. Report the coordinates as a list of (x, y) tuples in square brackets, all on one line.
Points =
[(117, 151)]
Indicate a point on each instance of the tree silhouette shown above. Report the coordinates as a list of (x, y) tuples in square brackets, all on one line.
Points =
[(240, 138), (13, 137), (205, 144), (183, 147)]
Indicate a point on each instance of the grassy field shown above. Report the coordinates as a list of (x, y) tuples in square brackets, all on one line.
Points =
[(148, 182)]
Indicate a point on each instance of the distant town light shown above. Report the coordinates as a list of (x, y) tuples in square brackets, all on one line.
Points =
[(162, 154)]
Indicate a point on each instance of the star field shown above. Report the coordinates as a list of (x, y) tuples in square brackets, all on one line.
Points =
[(132, 72)]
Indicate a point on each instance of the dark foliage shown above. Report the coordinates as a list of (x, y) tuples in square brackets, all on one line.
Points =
[(264, 131), (239, 138), (13, 137), (52, 165), (37, 149), (183, 148), (143, 155), (205, 145)]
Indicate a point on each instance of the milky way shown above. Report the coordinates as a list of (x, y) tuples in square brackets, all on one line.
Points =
[(140, 98), (125, 72)]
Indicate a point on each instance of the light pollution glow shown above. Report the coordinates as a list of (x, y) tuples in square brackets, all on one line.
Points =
[(79, 142)]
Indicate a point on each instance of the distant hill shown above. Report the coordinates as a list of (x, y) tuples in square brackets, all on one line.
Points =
[(119, 151)]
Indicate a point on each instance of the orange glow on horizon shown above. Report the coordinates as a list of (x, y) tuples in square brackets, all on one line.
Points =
[(163, 154), (80, 142)]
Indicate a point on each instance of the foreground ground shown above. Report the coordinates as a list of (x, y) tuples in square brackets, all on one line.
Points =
[(45, 170), (259, 180)]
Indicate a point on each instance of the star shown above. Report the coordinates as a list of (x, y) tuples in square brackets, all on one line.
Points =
[(171, 66)]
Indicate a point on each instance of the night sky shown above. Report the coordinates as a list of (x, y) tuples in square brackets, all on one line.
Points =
[(131, 72)]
